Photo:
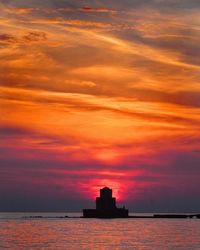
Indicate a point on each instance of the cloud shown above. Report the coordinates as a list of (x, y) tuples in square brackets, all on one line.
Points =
[(97, 10), (91, 103), (28, 38), (99, 93), (6, 39), (35, 37), (143, 178)]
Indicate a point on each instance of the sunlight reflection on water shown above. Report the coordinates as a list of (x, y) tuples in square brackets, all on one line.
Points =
[(141, 234)]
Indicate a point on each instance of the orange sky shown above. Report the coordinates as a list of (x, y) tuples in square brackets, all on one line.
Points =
[(95, 94)]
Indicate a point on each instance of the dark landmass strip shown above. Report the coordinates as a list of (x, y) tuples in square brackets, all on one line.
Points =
[(45, 217), (168, 216), (154, 216)]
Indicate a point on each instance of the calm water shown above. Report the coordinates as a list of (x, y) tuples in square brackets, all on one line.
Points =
[(18, 233)]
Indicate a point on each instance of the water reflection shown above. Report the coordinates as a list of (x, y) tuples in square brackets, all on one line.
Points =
[(140, 234)]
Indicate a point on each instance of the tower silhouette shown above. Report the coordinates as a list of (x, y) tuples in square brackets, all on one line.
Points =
[(105, 201), (105, 207)]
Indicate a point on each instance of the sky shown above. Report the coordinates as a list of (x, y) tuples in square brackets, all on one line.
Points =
[(99, 93)]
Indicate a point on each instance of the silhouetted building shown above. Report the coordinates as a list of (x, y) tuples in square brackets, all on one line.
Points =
[(105, 207)]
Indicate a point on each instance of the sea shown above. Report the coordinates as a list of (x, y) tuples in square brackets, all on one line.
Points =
[(52, 231)]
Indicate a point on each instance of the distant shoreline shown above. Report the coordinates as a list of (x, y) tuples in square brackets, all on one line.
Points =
[(154, 216)]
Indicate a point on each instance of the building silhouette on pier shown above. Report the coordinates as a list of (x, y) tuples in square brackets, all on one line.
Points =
[(106, 207)]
